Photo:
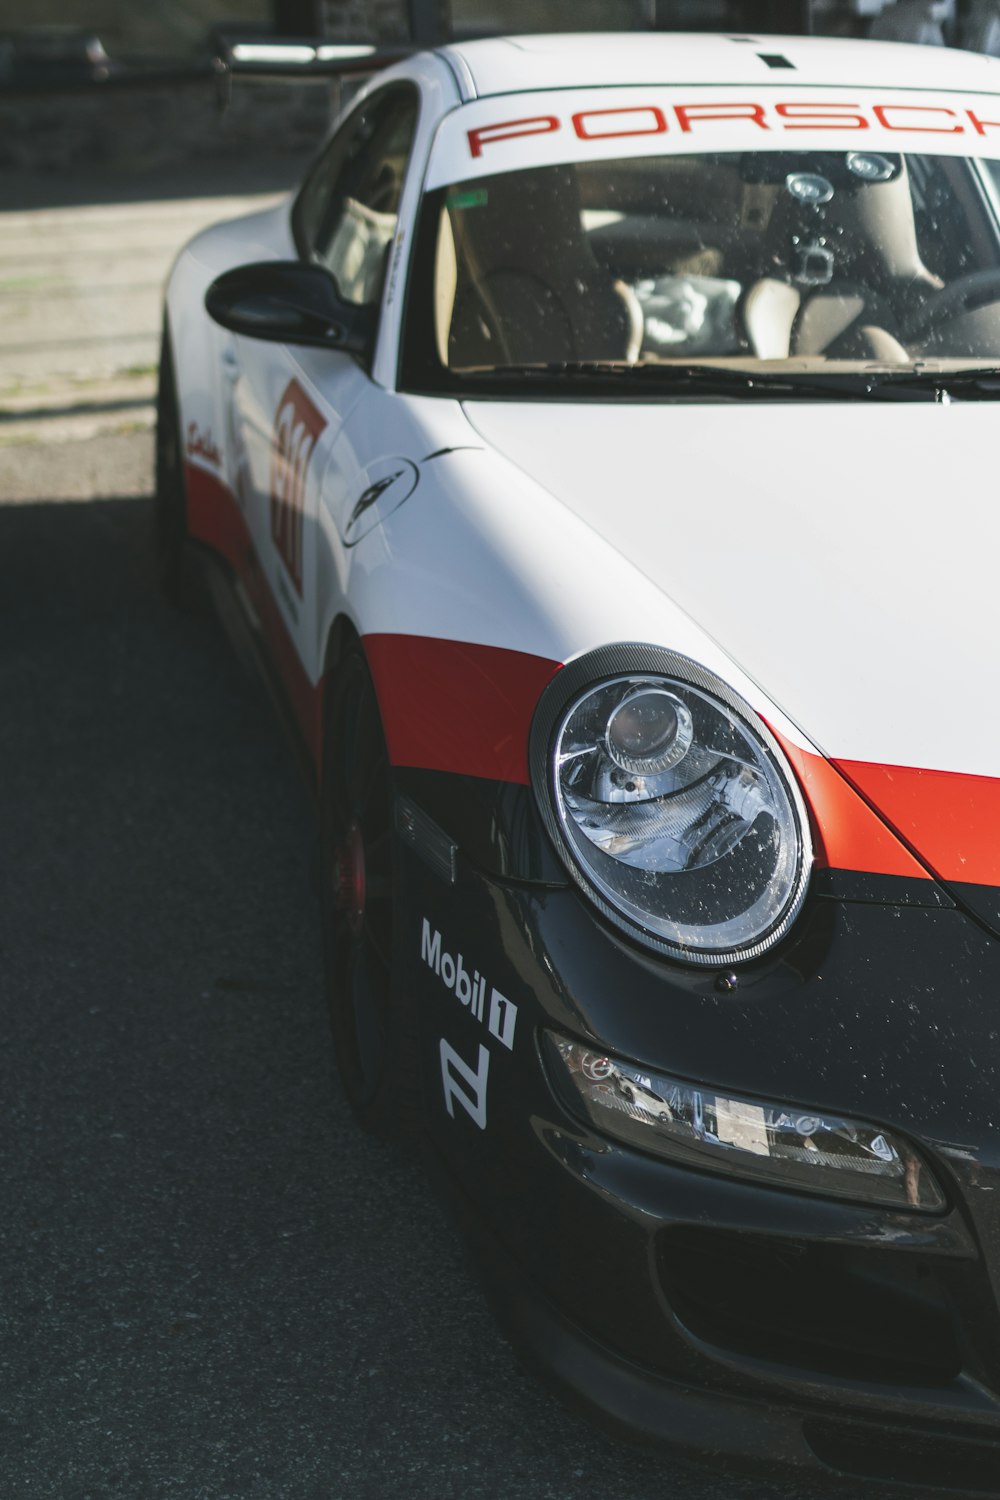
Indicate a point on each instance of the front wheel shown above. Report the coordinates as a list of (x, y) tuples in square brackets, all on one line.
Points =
[(372, 1026)]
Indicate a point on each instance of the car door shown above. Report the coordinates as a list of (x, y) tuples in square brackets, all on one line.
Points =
[(291, 403)]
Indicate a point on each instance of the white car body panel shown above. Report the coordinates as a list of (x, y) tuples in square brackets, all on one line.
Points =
[(844, 556), (204, 354), (516, 65), (454, 564), (516, 546), (386, 427), (547, 129)]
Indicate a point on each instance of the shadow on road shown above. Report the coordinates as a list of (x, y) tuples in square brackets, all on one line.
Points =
[(212, 1284)]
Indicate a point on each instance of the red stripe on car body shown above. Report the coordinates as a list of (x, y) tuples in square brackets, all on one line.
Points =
[(951, 818), (452, 706), (847, 834), (215, 518), (466, 708), (455, 706)]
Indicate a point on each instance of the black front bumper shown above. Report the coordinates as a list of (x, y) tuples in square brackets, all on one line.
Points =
[(688, 1306), (807, 1431)]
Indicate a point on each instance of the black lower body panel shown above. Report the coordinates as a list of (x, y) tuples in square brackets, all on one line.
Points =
[(730, 1316)]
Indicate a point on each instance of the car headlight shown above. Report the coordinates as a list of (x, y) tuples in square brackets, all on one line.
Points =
[(698, 1126), (671, 804)]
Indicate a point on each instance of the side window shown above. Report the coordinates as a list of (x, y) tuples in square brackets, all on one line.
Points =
[(345, 218)]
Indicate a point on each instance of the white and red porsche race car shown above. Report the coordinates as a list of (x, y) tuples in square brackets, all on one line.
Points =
[(600, 448)]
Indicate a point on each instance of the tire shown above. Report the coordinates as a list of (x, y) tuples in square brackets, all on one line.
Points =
[(170, 504), (374, 1042)]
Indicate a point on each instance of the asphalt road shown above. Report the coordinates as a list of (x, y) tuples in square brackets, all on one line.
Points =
[(211, 1284)]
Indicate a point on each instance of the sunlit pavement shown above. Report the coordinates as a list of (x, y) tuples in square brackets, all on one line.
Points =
[(81, 288)]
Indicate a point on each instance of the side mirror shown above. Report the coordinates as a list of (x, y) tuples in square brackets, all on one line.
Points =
[(289, 302)]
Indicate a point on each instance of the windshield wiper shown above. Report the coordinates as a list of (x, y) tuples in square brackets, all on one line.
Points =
[(966, 385), (699, 381)]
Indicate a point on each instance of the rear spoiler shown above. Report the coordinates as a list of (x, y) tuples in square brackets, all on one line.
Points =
[(256, 55), (264, 58)]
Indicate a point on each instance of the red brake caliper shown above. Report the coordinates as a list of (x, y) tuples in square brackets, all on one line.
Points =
[(349, 878)]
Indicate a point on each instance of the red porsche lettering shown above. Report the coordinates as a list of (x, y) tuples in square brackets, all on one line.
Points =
[(882, 114), (802, 116), (981, 126), (297, 429), (690, 115), (629, 120), (510, 130), (655, 122)]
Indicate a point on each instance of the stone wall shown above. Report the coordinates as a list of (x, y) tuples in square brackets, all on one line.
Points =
[(374, 20), (157, 126), (162, 125), (154, 28)]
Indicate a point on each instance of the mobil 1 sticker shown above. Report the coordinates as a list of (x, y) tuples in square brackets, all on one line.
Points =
[(483, 1001), (465, 1074)]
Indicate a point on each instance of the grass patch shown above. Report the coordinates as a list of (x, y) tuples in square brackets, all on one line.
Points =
[(29, 283)]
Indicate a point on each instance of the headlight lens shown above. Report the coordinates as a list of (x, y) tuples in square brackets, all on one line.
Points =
[(807, 1149), (673, 805), (649, 731)]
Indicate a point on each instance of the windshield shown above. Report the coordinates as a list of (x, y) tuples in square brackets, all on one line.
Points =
[(791, 263)]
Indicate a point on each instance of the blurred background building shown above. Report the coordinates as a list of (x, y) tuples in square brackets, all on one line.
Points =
[(106, 80), (134, 30)]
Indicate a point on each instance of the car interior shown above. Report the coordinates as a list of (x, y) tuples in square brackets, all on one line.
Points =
[(829, 256)]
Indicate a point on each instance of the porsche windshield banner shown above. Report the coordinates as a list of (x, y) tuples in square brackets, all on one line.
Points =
[(516, 132)]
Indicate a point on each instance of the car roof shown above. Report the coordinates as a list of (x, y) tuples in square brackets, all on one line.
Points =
[(516, 64)]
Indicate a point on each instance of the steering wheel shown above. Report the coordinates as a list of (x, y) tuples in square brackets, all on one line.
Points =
[(977, 289)]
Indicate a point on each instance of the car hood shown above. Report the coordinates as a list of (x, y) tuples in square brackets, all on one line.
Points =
[(844, 556)]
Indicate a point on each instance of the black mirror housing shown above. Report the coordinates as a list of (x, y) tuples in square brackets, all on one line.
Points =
[(290, 302)]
